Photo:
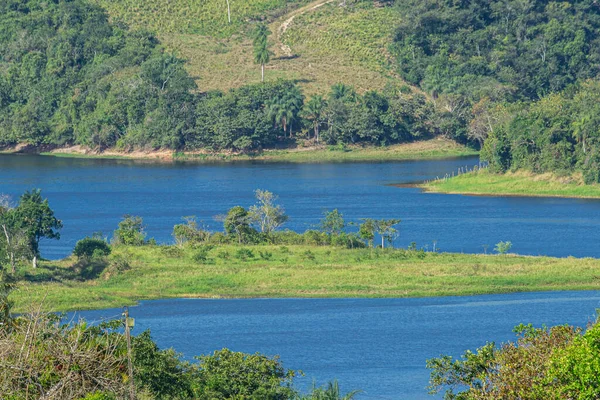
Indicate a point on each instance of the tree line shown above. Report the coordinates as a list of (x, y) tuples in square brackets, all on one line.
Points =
[(68, 76)]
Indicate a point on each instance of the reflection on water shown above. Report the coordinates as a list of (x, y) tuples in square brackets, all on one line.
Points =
[(93, 195), (377, 345)]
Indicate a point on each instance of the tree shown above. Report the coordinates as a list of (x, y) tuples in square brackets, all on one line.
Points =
[(232, 375), (36, 219), (313, 111), (189, 232), (284, 109), (267, 215), (333, 222), (341, 91), (91, 247), (385, 228), (13, 241), (367, 230), (237, 222), (262, 54), (503, 247), (331, 392), (130, 231)]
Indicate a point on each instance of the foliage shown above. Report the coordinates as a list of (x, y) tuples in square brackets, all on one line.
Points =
[(237, 224), (266, 214), (503, 247), (330, 392), (189, 232), (130, 231), (559, 133), (161, 372), (88, 247), (333, 222), (226, 374), (62, 361), (81, 80), (544, 363), (499, 49)]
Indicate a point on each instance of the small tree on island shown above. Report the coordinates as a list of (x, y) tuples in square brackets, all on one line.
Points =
[(266, 214)]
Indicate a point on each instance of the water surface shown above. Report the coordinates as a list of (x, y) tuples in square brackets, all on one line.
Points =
[(377, 345), (92, 195)]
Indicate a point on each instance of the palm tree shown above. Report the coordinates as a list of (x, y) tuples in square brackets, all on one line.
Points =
[(340, 91), (331, 392), (285, 108), (313, 111), (262, 54), (580, 130)]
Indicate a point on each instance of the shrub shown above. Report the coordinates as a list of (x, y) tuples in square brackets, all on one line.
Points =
[(91, 247), (244, 254), (503, 247)]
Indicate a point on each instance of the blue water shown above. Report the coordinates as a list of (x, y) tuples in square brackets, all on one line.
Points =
[(376, 345), (93, 195)]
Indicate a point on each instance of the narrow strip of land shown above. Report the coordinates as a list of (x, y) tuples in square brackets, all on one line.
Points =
[(154, 272), (520, 183)]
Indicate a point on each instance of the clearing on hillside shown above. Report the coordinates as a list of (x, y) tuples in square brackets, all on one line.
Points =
[(316, 43)]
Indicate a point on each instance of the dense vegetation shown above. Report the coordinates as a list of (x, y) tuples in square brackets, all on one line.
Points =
[(561, 362), (523, 74), (78, 79)]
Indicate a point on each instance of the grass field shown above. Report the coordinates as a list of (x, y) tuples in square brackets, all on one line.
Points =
[(428, 149), (519, 183), (316, 43), (298, 271)]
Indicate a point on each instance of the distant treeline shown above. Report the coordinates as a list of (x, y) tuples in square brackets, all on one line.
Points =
[(68, 76), (523, 73)]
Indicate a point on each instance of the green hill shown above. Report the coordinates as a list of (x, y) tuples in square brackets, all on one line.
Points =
[(317, 43)]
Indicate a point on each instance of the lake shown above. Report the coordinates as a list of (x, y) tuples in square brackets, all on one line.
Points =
[(92, 195), (376, 345)]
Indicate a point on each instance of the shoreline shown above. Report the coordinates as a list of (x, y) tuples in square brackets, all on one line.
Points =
[(432, 149)]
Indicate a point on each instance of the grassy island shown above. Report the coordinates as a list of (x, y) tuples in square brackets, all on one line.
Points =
[(519, 183), (228, 271)]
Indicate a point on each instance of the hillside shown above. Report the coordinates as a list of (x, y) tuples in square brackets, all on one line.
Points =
[(316, 43)]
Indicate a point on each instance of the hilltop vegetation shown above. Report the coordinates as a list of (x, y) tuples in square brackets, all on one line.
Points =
[(523, 74), (316, 46)]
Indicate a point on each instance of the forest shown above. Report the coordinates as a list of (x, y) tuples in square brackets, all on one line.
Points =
[(517, 79), (68, 76), (525, 72)]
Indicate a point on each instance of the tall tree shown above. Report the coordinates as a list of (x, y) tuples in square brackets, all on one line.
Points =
[(284, 109), (266, 214), (35, 217), (13, 241), (313, 111), (262, 54)]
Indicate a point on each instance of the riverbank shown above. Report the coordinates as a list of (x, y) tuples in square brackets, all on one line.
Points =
[(520, 183), (155, 272), (428, 149)]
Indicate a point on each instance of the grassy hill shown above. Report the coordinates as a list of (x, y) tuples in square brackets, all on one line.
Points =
[(317, 43)]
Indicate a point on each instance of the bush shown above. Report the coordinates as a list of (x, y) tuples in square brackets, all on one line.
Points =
[(201, 255), (244, 254), (91, 247), (503, 247)]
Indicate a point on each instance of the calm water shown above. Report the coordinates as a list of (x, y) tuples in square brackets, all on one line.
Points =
[(93, 195), (377, 345)]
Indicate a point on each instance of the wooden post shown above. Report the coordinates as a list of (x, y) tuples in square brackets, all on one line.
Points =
[(128, 325)]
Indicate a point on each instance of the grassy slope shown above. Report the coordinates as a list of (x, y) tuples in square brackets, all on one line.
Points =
[(329, 44), (515, 184), (300, 271)]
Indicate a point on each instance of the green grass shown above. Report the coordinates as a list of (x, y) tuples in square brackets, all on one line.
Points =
[(519, 183), (329, 44), (301, 271), (201, 17)]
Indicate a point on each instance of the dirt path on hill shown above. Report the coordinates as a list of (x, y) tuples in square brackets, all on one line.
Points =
[(280, 26)]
